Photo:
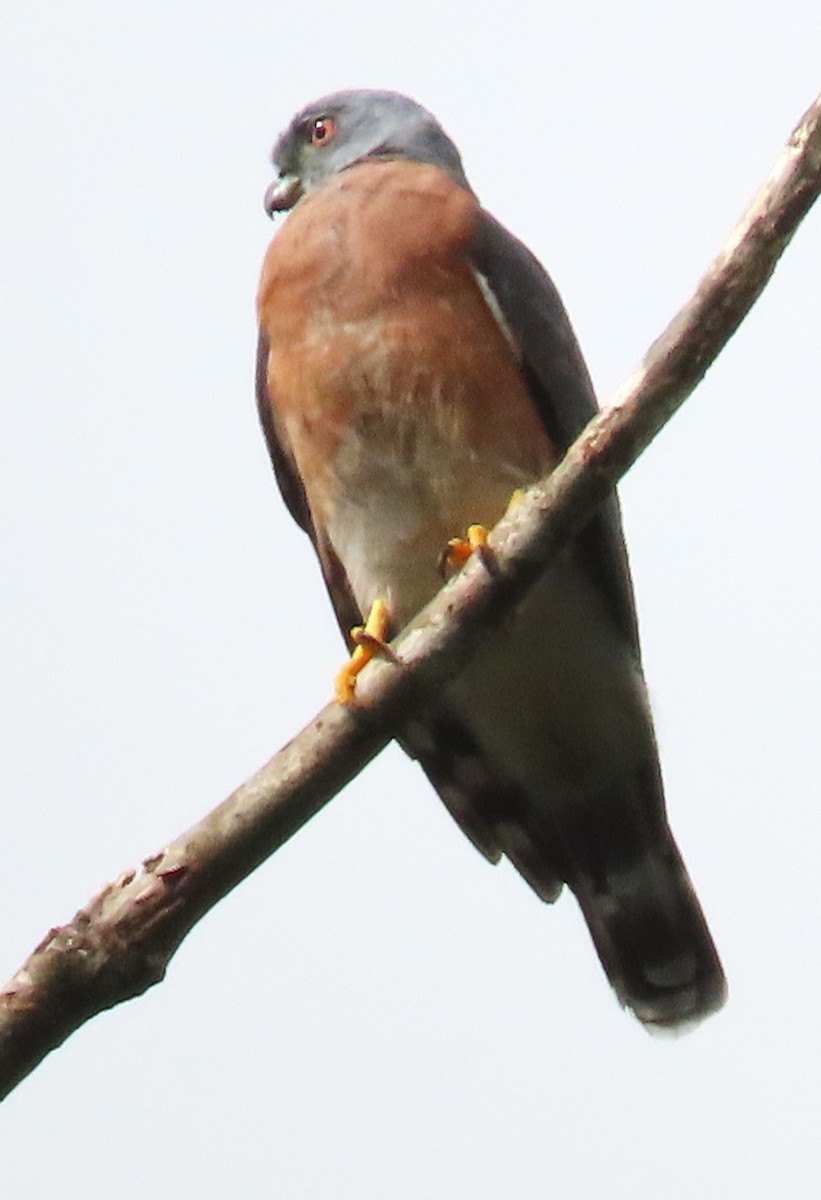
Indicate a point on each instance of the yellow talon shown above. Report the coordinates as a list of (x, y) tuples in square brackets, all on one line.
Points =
[(459, 549), (368, 639)]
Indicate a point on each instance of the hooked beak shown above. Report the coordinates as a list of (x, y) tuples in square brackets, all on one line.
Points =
[(282, 194)]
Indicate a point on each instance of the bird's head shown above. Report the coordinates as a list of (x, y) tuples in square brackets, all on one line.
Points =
[(342, 129)]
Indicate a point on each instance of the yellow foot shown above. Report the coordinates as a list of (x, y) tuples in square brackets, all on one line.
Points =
[(369, 639), (459, 549)]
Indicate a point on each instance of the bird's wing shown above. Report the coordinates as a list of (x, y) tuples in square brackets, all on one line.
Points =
[(561, 390)]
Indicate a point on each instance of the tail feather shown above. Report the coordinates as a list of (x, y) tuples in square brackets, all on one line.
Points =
[(653, 941), (644, 918), (616, 853)]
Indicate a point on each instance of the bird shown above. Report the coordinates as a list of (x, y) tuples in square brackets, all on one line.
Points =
[(416, 368)]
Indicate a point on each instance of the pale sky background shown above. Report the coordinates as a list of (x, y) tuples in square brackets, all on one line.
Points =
[(378, 1013)]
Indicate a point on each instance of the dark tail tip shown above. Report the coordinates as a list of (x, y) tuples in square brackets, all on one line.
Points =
[(654, 944)]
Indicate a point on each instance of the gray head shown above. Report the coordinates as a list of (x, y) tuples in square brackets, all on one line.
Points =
[(347, 127)]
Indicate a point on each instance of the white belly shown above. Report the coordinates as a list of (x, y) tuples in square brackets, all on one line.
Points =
[(397, 506)]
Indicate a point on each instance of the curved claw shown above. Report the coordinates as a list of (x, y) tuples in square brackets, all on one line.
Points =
[(459, 549), (369, 640)]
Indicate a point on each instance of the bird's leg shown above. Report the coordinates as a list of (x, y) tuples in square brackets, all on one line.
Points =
[(459, 549), (368, 639)]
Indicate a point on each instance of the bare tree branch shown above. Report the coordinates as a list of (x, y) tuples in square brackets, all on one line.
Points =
[(120, 943)]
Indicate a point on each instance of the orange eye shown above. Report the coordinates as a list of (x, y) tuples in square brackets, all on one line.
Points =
[(322, 130)]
